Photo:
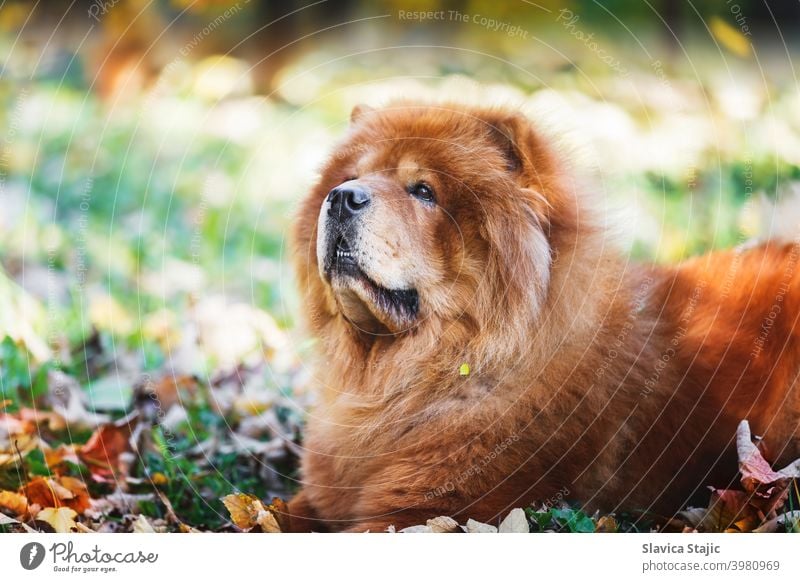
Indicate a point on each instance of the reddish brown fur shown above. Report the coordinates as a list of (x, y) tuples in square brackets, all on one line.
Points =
[(564, 395)]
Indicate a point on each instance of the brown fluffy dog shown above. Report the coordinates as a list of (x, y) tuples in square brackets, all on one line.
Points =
[(439, 236)]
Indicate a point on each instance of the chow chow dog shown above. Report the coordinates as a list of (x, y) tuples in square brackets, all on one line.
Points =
[(484, 345)]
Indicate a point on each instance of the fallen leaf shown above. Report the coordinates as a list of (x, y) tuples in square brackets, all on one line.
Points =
[(280, 510), (515, 522), (167, 391), (102, 451), (13, 502), (754, 468), (606, 524), (478, 527), (80, 528), (80, 500), (60, 454), (11, 425), (248, 511), (41, 491), (729, 510), (39, 416), (58, 492), (62, 519), (66, 398), (141, 525), (443, 524), (268, 521), (769, 489), (243, 509), (730, 37), (417, 529), (5, 520)]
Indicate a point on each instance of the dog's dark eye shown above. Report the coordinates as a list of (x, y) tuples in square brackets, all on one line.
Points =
[(422, 191)]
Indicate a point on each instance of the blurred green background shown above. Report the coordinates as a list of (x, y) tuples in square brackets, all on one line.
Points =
[(153, 151)]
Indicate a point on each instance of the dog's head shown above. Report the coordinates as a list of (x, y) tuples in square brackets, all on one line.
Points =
[(429, 213)]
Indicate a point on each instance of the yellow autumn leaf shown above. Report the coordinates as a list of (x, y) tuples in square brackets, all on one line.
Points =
[(269, 524), (107, 314), (244, 509), (14, 502), (248, 511), (729, 37), (62, 518)]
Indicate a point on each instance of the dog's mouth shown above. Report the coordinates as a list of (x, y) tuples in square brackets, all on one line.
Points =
[(400, 306)]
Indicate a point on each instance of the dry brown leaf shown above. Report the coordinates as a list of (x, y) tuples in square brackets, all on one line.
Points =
[(80, 500), (729, 510), (169, 390), (62, 519), (606, 524), (40, 491), (769, 488), (58, 492), (281, 511), (443, 524), (102, 451), (754, 468)]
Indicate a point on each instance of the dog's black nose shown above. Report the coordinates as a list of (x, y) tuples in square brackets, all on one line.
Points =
[(347, 200)]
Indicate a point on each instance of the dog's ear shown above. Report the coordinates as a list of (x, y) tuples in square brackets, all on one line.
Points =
[(359, 111), (510, 132)]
